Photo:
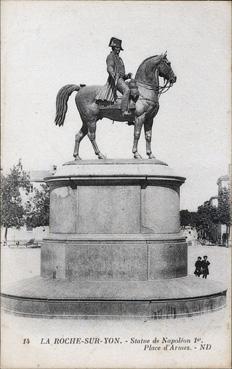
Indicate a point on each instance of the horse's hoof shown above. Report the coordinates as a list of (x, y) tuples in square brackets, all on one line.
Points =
[(137, 156), (77, 157), (151, 156), (101, 156)]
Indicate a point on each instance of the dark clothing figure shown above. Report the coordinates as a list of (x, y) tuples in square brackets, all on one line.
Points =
[(224, 239), (198, 267), (205, 267)]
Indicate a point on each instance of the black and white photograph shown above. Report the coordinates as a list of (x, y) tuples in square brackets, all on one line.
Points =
[(115, 184)]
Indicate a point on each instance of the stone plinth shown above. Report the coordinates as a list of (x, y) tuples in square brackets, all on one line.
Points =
[(173, 298), (114, 220), (114, 248)]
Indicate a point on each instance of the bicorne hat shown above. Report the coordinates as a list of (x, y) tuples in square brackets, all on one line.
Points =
[(115, 42)]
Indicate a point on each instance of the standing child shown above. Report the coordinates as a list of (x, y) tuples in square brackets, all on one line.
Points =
[(205, 267), (198, 267)]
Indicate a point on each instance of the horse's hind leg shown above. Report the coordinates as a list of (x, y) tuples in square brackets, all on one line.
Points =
[(78, 138), (92, 138)]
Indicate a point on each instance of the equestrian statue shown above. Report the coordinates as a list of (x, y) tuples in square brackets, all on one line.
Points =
[(137, 104)]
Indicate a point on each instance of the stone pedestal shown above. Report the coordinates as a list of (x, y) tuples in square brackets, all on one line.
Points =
[(114, 220), (115, 247)]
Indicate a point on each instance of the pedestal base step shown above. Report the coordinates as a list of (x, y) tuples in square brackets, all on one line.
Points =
[(159, 299)]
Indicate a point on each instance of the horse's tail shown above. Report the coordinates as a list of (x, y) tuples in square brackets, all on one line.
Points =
[(62, 102)]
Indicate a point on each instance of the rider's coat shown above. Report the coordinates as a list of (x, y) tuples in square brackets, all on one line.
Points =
[(115, 67), (116, 70)]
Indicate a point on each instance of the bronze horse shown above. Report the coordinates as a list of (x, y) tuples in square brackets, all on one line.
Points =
[(146, 108)]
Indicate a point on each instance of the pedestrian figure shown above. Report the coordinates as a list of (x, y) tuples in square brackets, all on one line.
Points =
[(198, 265), (205, 267)]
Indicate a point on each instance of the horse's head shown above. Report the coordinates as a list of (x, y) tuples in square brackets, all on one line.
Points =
[(154, 67), (165, 70)]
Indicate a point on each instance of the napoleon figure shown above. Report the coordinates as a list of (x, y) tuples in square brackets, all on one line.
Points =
[(117, 77)]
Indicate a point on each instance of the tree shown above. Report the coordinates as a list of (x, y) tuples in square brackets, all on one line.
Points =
[(207, 221), (224, 211), (37, 212), (210, 216), (224, 206), (188, 218), (12, 207)]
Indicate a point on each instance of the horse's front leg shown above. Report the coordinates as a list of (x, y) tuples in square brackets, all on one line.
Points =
[(92, 138), (148, 136), (137, 132)]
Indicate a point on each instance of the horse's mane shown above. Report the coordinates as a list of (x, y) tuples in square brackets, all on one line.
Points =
[(150, 57)]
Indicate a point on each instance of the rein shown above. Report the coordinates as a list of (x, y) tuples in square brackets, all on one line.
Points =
[(146, 85), (164, 88), (161, 90)]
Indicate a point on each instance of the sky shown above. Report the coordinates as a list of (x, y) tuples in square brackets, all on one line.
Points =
[(48, 44)]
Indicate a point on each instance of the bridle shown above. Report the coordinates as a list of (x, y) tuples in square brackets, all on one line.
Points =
[(161, 89), (164, 88)]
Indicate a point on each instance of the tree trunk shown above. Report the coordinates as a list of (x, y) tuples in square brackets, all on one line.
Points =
[(5, 236)]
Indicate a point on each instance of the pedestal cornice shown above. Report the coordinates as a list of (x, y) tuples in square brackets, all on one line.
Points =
[(115, 170)]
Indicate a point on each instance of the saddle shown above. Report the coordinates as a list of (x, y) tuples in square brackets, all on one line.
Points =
[(111, 107)]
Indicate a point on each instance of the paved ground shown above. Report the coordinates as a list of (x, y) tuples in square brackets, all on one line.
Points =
[(115, 342)]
